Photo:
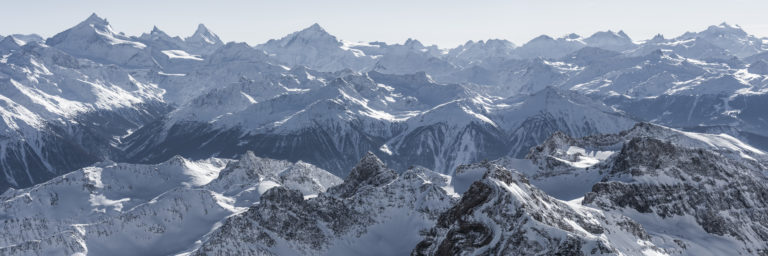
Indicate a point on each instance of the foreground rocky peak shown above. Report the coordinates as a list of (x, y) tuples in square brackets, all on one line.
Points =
[(502, 214), (694, 193), (723, 197), (356, 217), (369, 172)]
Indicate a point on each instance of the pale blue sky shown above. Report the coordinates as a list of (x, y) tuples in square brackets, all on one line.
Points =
[(446, 23)]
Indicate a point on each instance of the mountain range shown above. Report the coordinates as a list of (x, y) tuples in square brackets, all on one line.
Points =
[(158, 144)]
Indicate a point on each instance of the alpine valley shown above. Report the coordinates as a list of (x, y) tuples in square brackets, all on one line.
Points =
[(153, 144)]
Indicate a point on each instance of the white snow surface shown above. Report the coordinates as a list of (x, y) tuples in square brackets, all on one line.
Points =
[(124, 209)]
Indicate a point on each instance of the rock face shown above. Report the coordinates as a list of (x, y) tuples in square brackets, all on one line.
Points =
[(694, 193), (502, 214), (373, 212), (724, 197)]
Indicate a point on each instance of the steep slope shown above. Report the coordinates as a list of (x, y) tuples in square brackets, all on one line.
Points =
[(375, 212), (698, 190), (123, 209), (695, 194), (315, 48), (94, 38), (446, 136), (529, 120), (203, 41), (61, 113), (502, 214), (321, 118)]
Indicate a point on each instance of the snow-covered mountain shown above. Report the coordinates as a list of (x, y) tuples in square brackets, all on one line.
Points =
[(269, 207), (61, 113), (503, 214), (124, 209), (330, 123), (376, 111), (161, 144), (315, 48), (659, 177), (94, 38)]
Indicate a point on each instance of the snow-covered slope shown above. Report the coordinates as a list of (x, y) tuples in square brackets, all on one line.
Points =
[(94, 38), (609, 40), (203, 41), (410, 119), (680, 186), (547, 47), (502, 214), (54, 106), (317, 49), (374, 211), (124, 209)]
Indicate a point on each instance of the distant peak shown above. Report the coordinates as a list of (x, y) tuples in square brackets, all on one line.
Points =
[(201, 28), (609, 33), (726, 25), (572, 36), (658, 38), (542, 38), (95, 20), (204, 35), (314, 35), (413, 43), (316, 26), (314, 29), (10, 42)]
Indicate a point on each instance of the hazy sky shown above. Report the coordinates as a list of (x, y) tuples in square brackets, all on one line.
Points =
[(446, 23)]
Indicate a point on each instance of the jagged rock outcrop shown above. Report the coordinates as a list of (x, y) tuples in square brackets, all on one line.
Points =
[(503, 214), (360, 215), (695, 193)]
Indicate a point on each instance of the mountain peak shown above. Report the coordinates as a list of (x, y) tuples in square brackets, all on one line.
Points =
[(572, 36), (201, 28), (315, 27), (726, 25), (10, 43), (94, 19), (609, 34), (413, 43), (312, 36), (726, 28), (204, 35), (314, 31), (657, 38), (369, 172)]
